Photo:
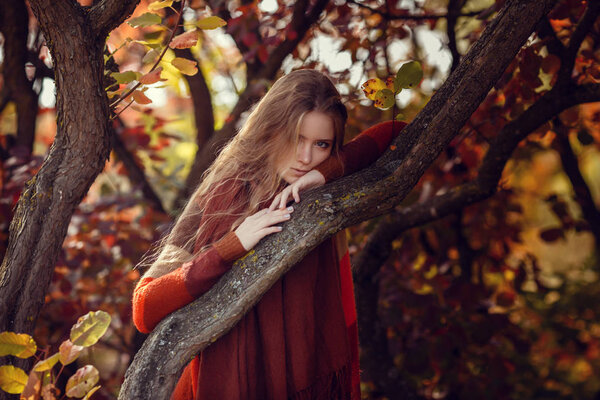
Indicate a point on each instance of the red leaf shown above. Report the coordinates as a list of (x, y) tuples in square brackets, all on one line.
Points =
[(185, 40), (151, 77)]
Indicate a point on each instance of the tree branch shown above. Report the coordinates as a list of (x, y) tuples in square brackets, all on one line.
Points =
[(410, 17), (348, 201), (106, 15), (454, 7), (582, 192), (134, 171), (14, 27)]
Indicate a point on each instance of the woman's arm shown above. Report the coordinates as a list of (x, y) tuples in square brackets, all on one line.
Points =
[(155, 298), (361, 151)]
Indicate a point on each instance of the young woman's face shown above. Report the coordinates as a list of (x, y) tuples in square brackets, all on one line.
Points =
[(315, 141)]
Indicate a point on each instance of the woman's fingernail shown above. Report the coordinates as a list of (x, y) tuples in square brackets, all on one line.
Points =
[(290, 208), (287, 215)]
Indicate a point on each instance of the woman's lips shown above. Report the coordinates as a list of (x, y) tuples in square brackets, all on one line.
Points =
[(299, 171)]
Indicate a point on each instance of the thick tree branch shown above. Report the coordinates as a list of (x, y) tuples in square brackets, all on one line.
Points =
[(582, 192), (301, 23), (378, 248), (106, 15), (326, 210), (14, 27)]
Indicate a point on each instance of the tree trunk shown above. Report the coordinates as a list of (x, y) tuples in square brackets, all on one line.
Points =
[(323, 212), (75, 37)]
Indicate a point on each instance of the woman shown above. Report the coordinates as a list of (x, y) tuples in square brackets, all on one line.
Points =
[(300, 340)]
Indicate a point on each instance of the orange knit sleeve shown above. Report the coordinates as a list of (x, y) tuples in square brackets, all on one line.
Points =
[(361, 151)]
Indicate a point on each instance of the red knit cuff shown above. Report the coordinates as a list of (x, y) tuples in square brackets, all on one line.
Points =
[(332, 168), (229, 247)]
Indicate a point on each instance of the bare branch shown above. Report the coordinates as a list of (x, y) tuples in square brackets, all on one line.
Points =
[(454, 7), (582, 192), (581, 30), (134, 171), (348, 201)]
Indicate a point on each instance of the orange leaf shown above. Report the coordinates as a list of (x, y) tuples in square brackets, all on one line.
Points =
[(151, 77), (141, 98), (185, 40)]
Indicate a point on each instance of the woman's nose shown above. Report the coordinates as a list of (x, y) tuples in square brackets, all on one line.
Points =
[(303, 153)]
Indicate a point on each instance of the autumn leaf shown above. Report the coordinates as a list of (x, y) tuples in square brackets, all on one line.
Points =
[(185, 66), (69, 352), (46, 364), (33, 387), (213, 22), (82, 382), (185, 40), (157, 5), (12, 379), (409, 75), (384, 99), (124, 77), (17, 344), (146, 19), (89, 328), (140, 97), (372, 86), (151, 77)]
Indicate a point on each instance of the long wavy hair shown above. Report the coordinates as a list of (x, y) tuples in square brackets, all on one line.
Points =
[(249, 160)]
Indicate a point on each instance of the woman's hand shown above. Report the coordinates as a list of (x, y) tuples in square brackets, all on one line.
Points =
[(311, 179), (259, 225)]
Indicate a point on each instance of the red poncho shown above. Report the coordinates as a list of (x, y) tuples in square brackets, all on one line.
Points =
[(300, 341)]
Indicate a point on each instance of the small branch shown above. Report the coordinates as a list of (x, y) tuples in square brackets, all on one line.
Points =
[(454, 7), (581, 30), (410, 17), (582, 192), (134, 171), (555, 46)]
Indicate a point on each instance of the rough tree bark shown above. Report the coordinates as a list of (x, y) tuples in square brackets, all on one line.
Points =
[(75, 36), (327, 210)]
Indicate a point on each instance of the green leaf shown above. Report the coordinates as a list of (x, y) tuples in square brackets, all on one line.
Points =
[(146, 19), (400, 117), (17, 344), (185, 66), (124, 77), (12, 379), (213, 22), (46, 364), (409, 75), (82, 382), (89, 328), (384, 99)]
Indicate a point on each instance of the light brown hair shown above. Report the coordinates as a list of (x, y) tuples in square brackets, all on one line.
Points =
[(249, 158)]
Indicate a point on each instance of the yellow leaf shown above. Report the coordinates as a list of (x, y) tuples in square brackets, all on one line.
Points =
[(82, 382), (89, 328), (91, 392), (141, 98), (185, 66), (68, 352), (17, 344), (12, 379), (372, 86), (185, 40), (124, 77), (211, 23), (157, 5), (151, 77), (425, 289), (46, 364), (146, 19)]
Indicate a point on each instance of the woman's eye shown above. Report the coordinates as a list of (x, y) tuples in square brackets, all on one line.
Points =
[(322, 145)]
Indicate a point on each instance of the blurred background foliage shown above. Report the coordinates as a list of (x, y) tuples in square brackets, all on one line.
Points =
[(499, 300)]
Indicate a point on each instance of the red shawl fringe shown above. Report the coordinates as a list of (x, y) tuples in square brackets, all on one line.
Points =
[(334, 386)]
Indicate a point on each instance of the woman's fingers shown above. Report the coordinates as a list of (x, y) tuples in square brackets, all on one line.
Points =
[(296, 193), (275, 202)]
